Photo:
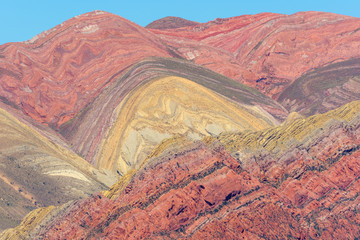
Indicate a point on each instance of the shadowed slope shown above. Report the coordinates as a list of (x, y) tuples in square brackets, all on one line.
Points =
[(323, 89), (185, 105), (36, 171), (309, 191)]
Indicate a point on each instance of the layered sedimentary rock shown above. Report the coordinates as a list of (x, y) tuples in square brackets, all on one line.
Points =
[(275, 48), (164, 108), (36, 171), (195, 154), (78, 58), (308, 190), (323, 89), (158, 99), (56, 73), (170, 23)]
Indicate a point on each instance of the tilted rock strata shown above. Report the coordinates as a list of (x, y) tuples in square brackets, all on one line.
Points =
[(36, 171), (275, 48), (186, 107), (279, 139), (165, 108), (202, 192), (297, 180), (323, 89), (55, 74), (304, 144)]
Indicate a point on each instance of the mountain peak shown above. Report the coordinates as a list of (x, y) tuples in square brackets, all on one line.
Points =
[(171, 23), (83, 23)]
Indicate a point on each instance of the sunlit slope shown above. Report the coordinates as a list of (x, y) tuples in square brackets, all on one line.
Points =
[(35, 171), (168, 107), (89, 129), (279, 139), (55, 74), (201, 190), (30, 222)]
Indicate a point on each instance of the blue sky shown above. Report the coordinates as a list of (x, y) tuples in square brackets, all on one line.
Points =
[(21, 20)]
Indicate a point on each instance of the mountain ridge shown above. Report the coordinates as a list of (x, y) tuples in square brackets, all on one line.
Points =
[(239, 127)]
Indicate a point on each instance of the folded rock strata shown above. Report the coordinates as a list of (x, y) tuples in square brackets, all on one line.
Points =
[(160, 98), (36, 171), (201, 191)]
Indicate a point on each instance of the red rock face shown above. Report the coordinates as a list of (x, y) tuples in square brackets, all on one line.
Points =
[(277, 49), (312, 191), (52, 76)]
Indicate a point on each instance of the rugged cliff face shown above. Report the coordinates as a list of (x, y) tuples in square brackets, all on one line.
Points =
[(309, 189)]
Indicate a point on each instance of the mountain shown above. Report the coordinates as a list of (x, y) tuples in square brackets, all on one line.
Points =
[(299, 181), (170, 23), (154, 100), (95, 62), (37, 169), (276, 49), (245, 127), (324, 88), (56, 73)]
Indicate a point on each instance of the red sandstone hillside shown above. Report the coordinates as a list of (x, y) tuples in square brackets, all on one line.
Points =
[(274, 48), (54, 75), (188, 146), (281, 189)]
